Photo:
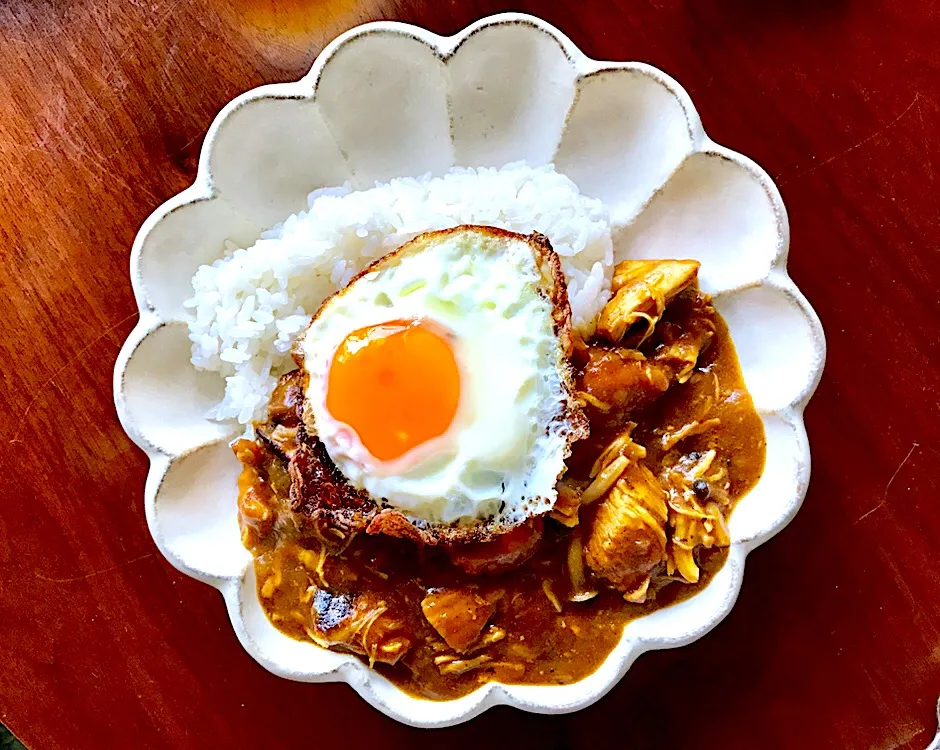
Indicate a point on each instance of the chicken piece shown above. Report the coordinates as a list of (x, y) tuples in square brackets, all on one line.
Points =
[(279, 432), (505, 552), (287, 400), (280, 439), (628, 537), (256, 514), (360, 623), (458, 615), (686, 331), (263, 485), (617, 382), (665, 277), (642, 289)]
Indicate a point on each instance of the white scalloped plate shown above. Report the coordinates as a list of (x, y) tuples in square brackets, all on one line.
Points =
[(386, 100)]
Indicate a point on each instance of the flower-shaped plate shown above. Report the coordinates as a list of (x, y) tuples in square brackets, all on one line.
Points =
[(387, 100)]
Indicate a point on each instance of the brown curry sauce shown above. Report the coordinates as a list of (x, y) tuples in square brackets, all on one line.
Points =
[(528, 641)]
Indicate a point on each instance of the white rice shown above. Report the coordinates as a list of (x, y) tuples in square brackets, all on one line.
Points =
[(248, 307)]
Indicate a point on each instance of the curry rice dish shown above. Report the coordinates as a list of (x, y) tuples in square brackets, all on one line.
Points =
[(458, 487)]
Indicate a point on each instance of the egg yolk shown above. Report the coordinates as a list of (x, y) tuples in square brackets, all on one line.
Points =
[(396, 384)]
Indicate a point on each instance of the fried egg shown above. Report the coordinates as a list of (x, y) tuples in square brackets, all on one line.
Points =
[(438, 379)]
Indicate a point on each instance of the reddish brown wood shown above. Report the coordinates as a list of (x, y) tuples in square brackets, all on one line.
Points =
[(835, 641)]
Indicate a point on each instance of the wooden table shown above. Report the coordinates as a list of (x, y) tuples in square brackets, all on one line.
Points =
[(835, 641)]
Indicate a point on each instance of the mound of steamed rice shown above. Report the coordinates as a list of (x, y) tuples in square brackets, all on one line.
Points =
[(248, 307)]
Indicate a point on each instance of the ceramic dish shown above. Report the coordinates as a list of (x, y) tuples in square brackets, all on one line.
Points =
[(507, 88)]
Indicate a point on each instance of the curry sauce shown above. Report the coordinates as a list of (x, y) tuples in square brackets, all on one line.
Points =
[(534, 623)]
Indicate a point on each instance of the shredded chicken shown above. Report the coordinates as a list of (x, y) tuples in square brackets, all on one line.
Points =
[(670, 439), (273, 582), (622, 445), (642, 289), (491, 635), (567, 504), (605, 480), (611, 463), (315, 562), (462, 666), (550, 595), (575, 559), (589, 399), (638, 594), (696, 509)]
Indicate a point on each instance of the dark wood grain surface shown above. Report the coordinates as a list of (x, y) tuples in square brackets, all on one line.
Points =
[(835, 641)]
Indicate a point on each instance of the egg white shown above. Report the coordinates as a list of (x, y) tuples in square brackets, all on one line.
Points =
[(504, 450)]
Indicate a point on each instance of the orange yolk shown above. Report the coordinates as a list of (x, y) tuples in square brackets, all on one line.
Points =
[(396, 384)]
